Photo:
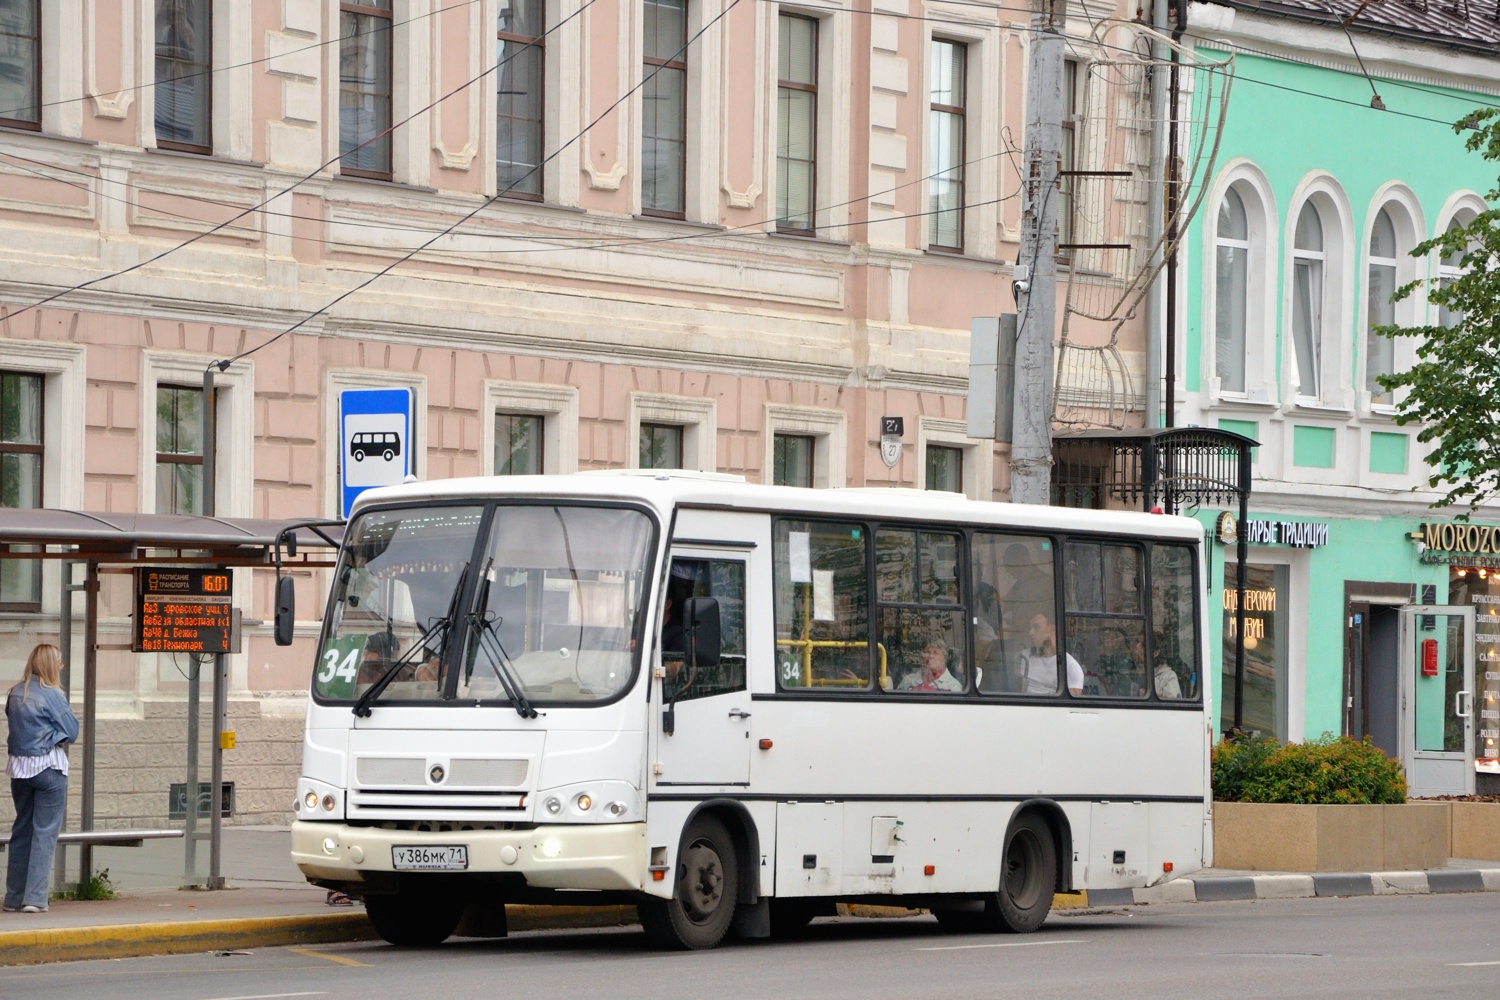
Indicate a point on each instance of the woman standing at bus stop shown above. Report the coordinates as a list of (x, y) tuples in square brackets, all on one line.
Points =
[(41, 724)]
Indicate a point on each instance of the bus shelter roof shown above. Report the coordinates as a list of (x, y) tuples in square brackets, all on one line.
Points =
[(1173, 466), (125, 538)]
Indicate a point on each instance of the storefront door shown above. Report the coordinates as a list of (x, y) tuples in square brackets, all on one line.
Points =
[(1437, 677)]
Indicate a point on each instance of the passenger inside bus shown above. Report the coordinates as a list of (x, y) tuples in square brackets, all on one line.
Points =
[(1037, 666), (931, 672)]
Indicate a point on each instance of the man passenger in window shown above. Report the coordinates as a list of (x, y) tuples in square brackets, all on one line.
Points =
[(931, 672), (1038, 665)]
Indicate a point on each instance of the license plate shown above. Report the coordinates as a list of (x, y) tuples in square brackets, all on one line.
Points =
[(442, 857)]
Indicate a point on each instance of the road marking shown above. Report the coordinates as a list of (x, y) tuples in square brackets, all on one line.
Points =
[(1003, 944), (1469, 965), (275, 996), (332, 958)]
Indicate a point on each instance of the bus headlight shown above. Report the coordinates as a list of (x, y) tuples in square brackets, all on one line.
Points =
[(584, 802), (310, 800), (553, 805), (328, 803), (617, 808)]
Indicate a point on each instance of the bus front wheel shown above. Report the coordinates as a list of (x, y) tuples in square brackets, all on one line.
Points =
[(417, 916), (707, 890)]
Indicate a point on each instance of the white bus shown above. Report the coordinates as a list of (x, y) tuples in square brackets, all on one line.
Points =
[(736, 705)]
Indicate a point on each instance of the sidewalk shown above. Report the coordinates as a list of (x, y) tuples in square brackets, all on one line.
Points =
[(269, 904)]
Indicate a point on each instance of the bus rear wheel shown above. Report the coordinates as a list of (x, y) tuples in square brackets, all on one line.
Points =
[(420, 915), (706, 892), (1028, 877)]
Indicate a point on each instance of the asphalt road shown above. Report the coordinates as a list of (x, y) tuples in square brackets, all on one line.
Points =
[(1406, 946)]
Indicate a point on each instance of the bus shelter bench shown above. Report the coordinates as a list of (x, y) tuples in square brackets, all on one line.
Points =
[(106, 838)]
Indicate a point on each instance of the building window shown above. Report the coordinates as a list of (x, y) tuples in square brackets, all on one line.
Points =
[(1232, 277), (793, 460), (945, 222), (179, 450), (945, 468), (20, 480), (664, 110), (184, 74), (519, 444), (21, 63), (1450, 268), (520, 98), (365, 89), (1308, 261), (797, 125), (1380, 352), (1067, 182), (661, 446)]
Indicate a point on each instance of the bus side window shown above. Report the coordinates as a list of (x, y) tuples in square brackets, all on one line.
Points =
[(723, 580), (1013, 587), (822, 604), (921, 618), (1174, 643), (1106, 624)]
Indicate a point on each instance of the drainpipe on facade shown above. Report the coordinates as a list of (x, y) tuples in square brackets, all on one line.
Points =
[(1156, 207)]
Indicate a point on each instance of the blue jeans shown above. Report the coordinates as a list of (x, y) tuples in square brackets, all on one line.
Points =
[(39, 815)]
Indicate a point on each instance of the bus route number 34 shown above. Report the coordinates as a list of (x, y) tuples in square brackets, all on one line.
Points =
[(338, 666)]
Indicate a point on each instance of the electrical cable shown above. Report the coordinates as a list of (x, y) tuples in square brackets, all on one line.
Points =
[(225, 363), (385, 26), (302, 180)]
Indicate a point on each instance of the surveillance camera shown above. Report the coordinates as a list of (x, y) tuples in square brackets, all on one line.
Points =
[(1019, 288)]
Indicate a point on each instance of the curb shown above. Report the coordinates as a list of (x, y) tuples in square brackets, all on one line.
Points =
[(1240, 887), (80, 944)]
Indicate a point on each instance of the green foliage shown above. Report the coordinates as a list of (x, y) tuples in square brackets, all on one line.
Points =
[(96, 886), (1453, 387), (1329, 770)]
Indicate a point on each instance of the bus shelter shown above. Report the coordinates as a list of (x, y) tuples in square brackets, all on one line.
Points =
[(1171, 469), (118, 543)]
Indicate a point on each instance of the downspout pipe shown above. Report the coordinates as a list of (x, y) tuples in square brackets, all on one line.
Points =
[(1156, 207)]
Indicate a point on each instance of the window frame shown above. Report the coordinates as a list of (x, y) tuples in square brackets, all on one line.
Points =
[(1263, 292), (386, 142), (961, 113), (538, 173), (36, 78), (1317, 262), (697, 417), (204, 72), (778, 459), (1068, 162), (650, 71), (40, 451), (177, 457), (782, 83)]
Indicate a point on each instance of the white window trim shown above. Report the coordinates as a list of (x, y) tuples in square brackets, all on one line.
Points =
[(411, 45), (557, 405), (981, 212), (704, 99), (1462, 207), (698, 419), (1332, 206), (979, 455), (829, 430), (1411, 228), (561, 113), (62, 68), (231, 128), (234, 443), (831, 191), (64, 389), (335, 382), (1261, 384)]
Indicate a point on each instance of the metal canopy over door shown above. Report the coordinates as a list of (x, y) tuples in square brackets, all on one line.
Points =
[(1437, 697), (711, 556)]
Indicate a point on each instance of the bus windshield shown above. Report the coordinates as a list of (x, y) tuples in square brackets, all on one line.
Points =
[(543, 609)]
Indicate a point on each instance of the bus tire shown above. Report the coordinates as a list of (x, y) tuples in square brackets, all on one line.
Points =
[(416, 917), (1028, 877), (705, 895)]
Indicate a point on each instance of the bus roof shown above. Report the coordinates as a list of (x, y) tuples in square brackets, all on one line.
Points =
[(664, 490)]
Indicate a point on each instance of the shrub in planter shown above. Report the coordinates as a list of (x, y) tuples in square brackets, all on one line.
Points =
[(1326, 771)]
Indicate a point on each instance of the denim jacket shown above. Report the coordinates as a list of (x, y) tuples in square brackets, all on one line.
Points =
[(39, 723)]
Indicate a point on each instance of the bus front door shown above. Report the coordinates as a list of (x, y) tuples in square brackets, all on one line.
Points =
[(704, 736)]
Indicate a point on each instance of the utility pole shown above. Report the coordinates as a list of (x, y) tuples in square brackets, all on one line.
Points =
[(1035, 278)]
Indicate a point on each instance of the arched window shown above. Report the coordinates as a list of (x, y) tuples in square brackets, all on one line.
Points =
[(1380, 352), (1449, 268), (1231, 277), (1308, 261)]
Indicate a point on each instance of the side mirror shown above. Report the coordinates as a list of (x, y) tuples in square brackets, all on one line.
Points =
[(700, 618), (286, 609)]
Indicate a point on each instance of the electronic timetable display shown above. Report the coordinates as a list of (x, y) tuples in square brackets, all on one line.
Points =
[(182, 610)]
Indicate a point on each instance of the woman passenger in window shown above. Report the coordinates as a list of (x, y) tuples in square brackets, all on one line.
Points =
[(1038, 665), (931, 671)]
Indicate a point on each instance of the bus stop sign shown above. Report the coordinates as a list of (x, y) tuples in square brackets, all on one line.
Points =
[(375, 431)]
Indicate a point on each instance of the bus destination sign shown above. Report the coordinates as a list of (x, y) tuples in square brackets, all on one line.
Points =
[(181, 610)]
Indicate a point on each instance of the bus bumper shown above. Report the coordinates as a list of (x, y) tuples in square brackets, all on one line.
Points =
[(602, 856)]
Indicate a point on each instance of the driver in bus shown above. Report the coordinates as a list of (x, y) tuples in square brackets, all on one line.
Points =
[(1038, 665)]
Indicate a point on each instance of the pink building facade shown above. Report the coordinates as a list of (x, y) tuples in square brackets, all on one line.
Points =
[(724, 235)]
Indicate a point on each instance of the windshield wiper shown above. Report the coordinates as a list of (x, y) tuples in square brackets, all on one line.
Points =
[(439, 629), (489, 642)]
